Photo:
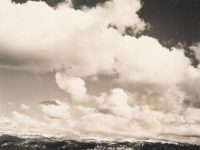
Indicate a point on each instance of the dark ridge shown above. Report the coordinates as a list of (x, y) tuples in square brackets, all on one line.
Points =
[(8, 142), (9, 138), (173, 22), (52, 3)]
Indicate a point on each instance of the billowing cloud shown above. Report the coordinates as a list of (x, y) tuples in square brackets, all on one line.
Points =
[(141, 62), (73, 86), (176, 24), (54, 49), (116, 103), (149, 93), (124, 113)]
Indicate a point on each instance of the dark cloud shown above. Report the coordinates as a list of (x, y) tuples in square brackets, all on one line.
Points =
[(78, 4), (173, 22), (11, 59), (51, 3), (52, 102)]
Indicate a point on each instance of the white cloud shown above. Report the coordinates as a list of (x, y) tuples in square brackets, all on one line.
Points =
[(192, 116), (25, 107), (56, 33), (195, 48), (150, 63), (73, 85), (23, 119), (152, 82), (115, 103), (138, 113), (123, 14), (57, 110), (190, 85)]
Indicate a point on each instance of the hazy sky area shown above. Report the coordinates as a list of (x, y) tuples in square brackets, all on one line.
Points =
[(100, 68)]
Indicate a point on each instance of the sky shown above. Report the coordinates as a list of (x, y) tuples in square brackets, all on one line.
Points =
[(100, 68)]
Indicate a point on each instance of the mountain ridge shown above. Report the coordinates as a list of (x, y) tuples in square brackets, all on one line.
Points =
[(39, 142)]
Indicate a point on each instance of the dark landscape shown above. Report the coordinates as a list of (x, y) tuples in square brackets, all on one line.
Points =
[(9, 142)]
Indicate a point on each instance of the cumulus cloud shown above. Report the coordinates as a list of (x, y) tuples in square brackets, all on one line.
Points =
[(115, 103), (109, 115), (173, 26), (142, 62), (122, 113), (54, 49), (72, 85), (150, 88)]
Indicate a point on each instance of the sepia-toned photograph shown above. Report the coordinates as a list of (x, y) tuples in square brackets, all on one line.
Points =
[(99, 74)]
